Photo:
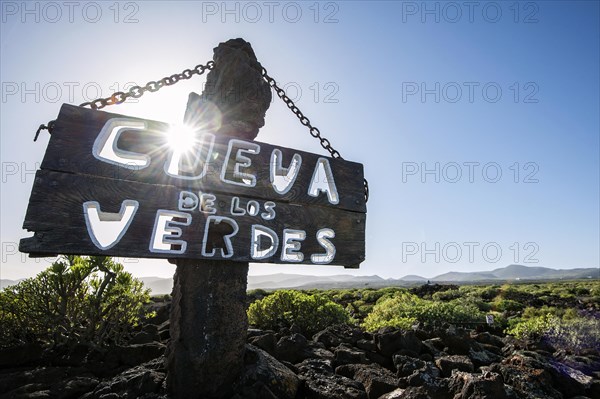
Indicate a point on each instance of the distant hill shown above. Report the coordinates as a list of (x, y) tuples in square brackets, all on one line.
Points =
[(413, 278), (519, 273), (5, 283), (158, 285), (528, 273), (298, 281), (510, 273), (464, 277)]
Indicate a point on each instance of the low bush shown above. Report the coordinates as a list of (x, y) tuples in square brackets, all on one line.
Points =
[(404, 310), (570, 332), (311, 313), (77, 299), (506, 305)]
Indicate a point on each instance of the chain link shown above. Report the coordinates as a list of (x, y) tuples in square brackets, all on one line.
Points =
[(314, 131), (152, 86)]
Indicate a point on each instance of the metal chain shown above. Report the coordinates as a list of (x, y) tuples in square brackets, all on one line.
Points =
[(135, 92), (314, 131), (152, 86)]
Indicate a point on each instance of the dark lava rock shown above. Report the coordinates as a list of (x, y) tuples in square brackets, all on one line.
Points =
[(20, 355), (133, 355), (483, 357), (54, 382), (263, 376), (376, 379), (397, 393), (459, 342), (455, 362), (255, 332), (487, 338), (62, 389), (390, 341), (492, 349), (527, 376), (588, 364), (407, 365), (333, 336), (427, 376), (74, 388), (145, 337), (375, 357), (435, 390), (346, 355), (321, 383), (328, 338), (569, 381), (265, 342), (426, 357), (64, 355), (162, 309), (434, 346), (367, 345), (164, 331), (477, 386), (135, 382), (292, 348)]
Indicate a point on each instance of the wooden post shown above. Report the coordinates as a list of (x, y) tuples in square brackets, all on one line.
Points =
[(208, 316)]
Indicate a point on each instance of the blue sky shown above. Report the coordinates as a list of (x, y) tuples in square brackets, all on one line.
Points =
[(402, 87)]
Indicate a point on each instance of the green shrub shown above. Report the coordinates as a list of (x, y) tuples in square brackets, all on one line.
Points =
[(342, 295), (311, 313), (573, 333), (532, 312), (404, 310), (76, 299), (488, 293), (576, 334), (533, 327), (370, 295), (255, 295), (447, 295), (506, 305)]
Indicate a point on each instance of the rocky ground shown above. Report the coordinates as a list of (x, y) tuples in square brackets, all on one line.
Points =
[(339, 362)]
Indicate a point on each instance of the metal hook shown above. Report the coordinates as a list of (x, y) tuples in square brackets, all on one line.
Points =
[(49, 128)]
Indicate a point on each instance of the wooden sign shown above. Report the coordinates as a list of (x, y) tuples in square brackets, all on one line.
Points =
[(121, 186)]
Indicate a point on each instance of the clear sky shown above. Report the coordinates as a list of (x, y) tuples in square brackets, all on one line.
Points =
[(477, 122)]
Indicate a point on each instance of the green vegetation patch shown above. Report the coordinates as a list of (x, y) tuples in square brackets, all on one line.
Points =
[(310, 312), (403, 310), (77, 299)]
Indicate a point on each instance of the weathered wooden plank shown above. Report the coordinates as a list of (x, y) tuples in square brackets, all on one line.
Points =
[(56, 215), (71, 150)]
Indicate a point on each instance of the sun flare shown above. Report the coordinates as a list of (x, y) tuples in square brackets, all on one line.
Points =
[(181, 138)]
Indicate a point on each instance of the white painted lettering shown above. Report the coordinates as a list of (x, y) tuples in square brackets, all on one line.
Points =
[(207, 203), (269, 213), (236, 210), (188, 201), (257, 248), (105, 147), (323, 237), (322, 180), (106, 229), (165, 232), (282, 178), (291, 245), (237, 177), (218, 239)]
